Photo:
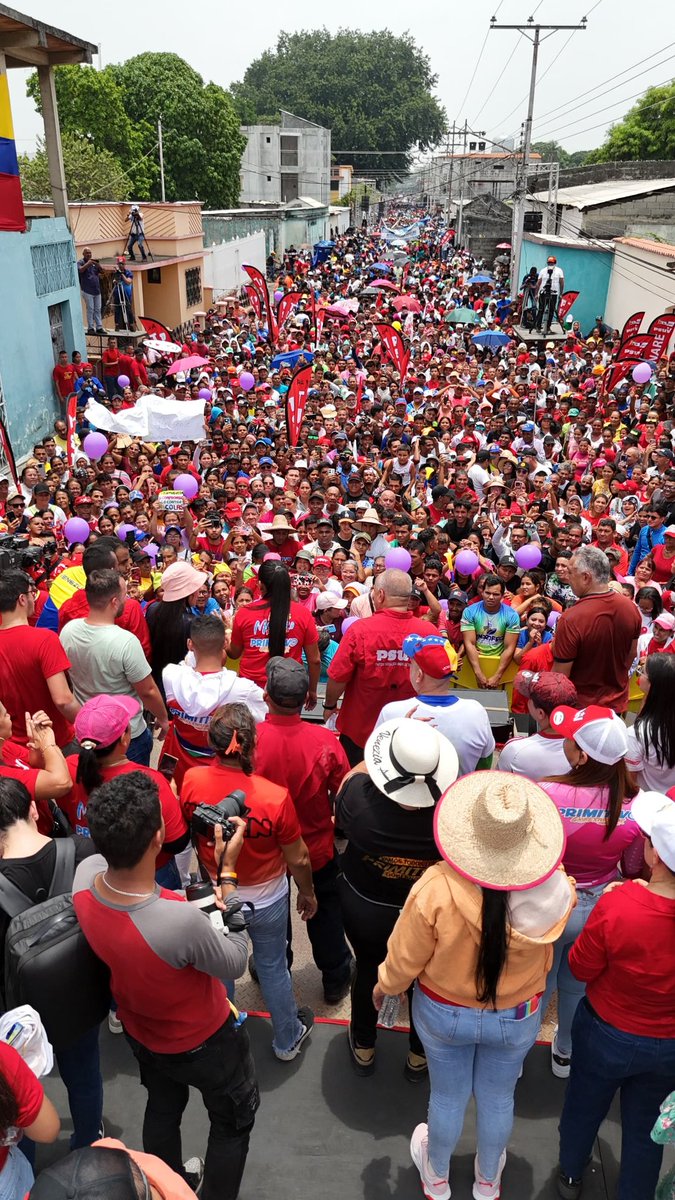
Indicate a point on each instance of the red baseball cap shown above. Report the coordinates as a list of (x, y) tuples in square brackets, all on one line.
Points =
[(232, 511), (103, 719), (596, 730), (322, 561)]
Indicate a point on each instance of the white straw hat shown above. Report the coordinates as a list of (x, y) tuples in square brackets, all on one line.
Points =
[(410, 761), (500, 831)]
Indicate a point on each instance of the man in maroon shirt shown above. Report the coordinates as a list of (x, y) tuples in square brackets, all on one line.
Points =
[(309, 761), (138, 371), (108, 552), (64, 376)]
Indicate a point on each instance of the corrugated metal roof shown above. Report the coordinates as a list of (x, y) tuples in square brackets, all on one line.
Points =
[(667, 249), (593, 195)]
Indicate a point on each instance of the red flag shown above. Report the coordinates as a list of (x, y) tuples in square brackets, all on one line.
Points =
[(632, 326), (296, 401), (637, 347), (285, 305), (8, 453), (260, 284), (359, 396), (71, 423), (395, 346), (319, 318), (661, 329), (256, 302), (156, 329), (566, 301), (617, 372)]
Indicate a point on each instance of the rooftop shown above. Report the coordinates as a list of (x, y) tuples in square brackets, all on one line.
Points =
[(594, 195), (26, 42), (667, 249)]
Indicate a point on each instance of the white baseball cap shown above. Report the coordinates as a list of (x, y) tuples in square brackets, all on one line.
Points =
[(596, 730), (655, 814)]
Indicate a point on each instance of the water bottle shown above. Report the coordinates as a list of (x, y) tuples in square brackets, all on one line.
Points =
[(389, 1011), (200, 892)]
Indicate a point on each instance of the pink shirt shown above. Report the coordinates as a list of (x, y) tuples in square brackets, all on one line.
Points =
[(590, 858)]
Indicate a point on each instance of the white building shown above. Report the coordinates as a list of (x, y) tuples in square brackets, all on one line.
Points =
[(642, 279), (284, 162)]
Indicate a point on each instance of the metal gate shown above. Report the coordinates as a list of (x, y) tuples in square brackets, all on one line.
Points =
[(56, 329)]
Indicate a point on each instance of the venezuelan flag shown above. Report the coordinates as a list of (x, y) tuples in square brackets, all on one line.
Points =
[(11, 199)]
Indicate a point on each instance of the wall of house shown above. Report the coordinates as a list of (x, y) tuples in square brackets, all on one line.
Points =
[(601, 172), (170, 229), (636, 286), (587, 270), (612, 220), (262, 165), (223, 264), (38, 272)]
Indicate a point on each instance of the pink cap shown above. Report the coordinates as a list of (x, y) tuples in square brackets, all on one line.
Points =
[(103, 719)]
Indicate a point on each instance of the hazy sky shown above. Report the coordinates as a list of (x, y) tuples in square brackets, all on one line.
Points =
[(220, 40)]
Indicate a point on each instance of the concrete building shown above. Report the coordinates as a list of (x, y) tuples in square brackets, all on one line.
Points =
[(302, 223), (611, 208), (168, 287), (284, 162), (39, 289), (643, 278), (487, 172), (340, 181)]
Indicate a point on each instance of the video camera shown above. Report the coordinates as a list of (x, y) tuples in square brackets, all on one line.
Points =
[(206, 816), (16, 551)]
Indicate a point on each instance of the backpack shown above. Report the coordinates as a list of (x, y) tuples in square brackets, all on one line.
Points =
[(48, 962)]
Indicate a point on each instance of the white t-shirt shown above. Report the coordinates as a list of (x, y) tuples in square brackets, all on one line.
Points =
[(536, 757), (465, 723), (651, 776)]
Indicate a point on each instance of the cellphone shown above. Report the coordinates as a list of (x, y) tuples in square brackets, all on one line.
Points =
[(168, 766)]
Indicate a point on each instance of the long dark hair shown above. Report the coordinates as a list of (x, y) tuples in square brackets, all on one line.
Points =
[(275, 583), (614, 776), (9, 1108), (168, 625), (655, 723), (89, 759), (232, 735), (494, 943), (650, 593)]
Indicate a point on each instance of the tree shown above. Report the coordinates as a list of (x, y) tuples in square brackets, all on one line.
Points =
[(91, 174), (372, 90), (117, 109), (646, 131), (554, 152)]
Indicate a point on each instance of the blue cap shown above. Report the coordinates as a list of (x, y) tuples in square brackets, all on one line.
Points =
[(261, 441), (266, 462), (136, 496), (495, 450), (528, 427)]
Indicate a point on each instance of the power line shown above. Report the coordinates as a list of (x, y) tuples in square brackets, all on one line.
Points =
[(491, 91), (603, 124), (621, 100), (478, 61), (611, 78)]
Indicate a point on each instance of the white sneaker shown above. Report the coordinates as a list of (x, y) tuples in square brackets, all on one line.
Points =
[(433, 1187), (488, 1189), (560, 1063), (114, 1023)]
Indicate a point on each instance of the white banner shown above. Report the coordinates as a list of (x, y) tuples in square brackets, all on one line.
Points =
[(158, 418)]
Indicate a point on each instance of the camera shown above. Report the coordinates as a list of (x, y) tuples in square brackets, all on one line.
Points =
[(206, 816), (16, 551)]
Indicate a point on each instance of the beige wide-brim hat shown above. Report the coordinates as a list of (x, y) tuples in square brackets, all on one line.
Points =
[(278, 522), (370, 517), (500, 831), (410, 762)]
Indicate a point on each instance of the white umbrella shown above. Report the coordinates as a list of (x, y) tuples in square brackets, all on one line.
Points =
[(162, 347)]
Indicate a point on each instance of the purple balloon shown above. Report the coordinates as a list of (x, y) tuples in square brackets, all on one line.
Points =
[(204, 394), (347, 624), (553, 619), (528, 556), (187, 484), (123, 529), (123, 381), (642, 373), (278, 295), (246, 381), (95, 445), (151, 549), (398, 558), (76, 530), (466, 562)]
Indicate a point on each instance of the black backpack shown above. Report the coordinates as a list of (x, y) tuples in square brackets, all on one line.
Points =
[(48, 962)]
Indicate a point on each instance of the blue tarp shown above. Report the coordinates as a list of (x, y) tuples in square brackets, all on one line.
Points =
[(290, 359)]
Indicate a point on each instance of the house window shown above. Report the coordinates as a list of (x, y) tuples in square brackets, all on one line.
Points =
[(289, 150), (269, 178), (154, 275), (53, 267), (268, 140), (193, 286)]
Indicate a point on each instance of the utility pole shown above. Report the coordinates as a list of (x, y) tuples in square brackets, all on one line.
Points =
[(522, 164), (161, 158)]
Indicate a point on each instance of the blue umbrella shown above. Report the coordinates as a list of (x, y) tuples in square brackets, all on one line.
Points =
[(324, 245), (490, 339), (380, 267), (290, 359), (481, 279)]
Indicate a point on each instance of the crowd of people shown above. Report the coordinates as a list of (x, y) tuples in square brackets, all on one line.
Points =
[(284, 626)]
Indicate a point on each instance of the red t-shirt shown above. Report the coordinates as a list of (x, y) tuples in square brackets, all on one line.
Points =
[(310, 762), (75, 803), (111, 363), (138, 374), (370, 660), (28, 659), (250, 629), (273, 821), (26, 1088), (64, 378), (287, 551), (132, 618), (664, 568)]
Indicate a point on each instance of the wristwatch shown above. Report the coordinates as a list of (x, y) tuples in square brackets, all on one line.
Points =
[(329, 707)]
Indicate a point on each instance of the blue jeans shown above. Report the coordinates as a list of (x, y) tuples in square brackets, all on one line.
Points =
[(471, 1050), (16, 1177), (267, 932), (570, 990), (642, 1069), (140, 748), (80, 1069)]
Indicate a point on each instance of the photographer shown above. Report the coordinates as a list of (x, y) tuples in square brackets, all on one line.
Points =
[(89, 272), (136, 233), (550, 287), (88, 387), (168, 969), (273, 847)]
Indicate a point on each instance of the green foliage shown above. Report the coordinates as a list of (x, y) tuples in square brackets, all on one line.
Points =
[(91, 174), (554, 152), (646, 131), (372, 90), (118, 109)]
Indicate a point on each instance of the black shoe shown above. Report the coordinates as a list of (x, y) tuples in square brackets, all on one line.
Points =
[(363, 1058), (131, 258), (415, 1069), (91, 332), (333, 992), (101, 330), (569, 1188), (194, 1173), (251, 969)]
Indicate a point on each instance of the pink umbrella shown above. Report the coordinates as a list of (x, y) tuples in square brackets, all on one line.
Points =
[(341, 308), (503, 245), (409, 302), (384, 283), (186, 364)]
